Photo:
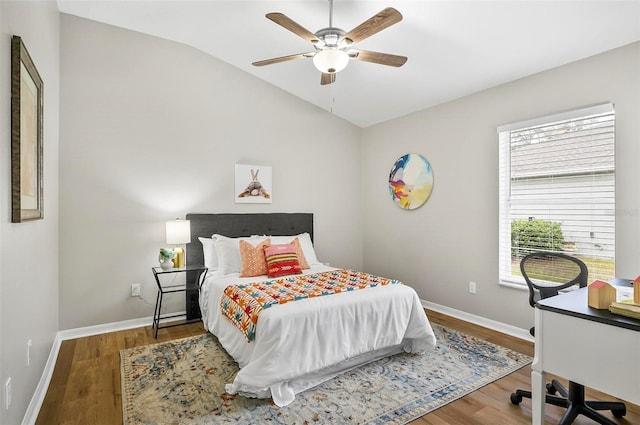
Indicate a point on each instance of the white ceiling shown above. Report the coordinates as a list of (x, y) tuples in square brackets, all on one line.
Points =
[(455, 48)]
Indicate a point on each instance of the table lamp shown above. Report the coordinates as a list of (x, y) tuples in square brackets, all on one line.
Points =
[(178, 232)]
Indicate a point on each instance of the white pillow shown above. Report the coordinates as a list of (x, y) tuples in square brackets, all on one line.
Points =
[(306, 244), (228, 252), (209, 253)]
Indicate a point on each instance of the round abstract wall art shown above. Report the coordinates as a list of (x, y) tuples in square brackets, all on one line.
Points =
[(411, 181)]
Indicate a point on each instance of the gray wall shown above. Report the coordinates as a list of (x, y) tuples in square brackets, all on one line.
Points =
[(453, 238), (29, 251), (151, 130)]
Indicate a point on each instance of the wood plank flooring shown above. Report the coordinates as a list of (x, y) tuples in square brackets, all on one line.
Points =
[(85, 386)]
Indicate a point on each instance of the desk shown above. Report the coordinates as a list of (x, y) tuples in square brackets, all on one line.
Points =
[(592, 347)]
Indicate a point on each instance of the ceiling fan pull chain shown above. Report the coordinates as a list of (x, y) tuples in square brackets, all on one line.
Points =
[(333, 94)]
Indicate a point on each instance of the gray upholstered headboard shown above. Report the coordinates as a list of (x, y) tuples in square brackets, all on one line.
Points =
[(236, 225)]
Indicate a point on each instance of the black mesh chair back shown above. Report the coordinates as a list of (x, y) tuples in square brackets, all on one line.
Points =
[(547, 273)]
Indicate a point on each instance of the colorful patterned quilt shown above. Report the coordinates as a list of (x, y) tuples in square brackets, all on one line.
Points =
[(243, 303)]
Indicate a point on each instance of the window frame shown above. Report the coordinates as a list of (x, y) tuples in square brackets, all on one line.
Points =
[(505, 180)]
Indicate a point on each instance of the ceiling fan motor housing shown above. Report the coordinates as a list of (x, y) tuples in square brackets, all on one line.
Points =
[(330, 38)]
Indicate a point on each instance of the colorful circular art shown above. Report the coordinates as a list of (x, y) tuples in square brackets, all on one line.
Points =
[(411, 181)]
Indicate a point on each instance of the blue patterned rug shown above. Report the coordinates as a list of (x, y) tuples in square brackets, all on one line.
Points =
[(182, 382)]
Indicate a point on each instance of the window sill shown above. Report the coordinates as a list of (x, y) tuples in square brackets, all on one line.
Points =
[(513, 285), (524, 287)]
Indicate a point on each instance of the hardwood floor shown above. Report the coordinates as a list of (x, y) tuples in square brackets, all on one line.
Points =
[(490, 405), (85, 386)]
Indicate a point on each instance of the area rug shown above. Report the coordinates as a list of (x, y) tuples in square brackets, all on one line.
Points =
[(182, 382)]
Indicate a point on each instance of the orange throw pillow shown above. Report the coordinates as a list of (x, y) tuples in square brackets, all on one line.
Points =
[(301, 259), (252, 258)]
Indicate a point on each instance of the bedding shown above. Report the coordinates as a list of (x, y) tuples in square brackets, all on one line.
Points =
[(209, 253), (253, 262), (243, 303), (221, 254), (301, 344), (308, 257), (282, 260), (228, 252)]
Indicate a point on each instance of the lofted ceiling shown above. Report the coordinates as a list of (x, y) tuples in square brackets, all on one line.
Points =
[(455, 48)]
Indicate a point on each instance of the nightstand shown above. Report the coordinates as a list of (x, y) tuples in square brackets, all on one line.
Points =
[(166, 281)]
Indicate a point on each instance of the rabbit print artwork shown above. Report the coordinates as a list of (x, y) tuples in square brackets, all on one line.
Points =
[(255, 187), (258, 190)]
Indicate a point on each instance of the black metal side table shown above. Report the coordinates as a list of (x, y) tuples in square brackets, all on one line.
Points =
[(194, 274)]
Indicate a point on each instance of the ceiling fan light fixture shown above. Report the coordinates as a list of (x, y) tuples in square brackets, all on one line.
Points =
[(333, 45), (330, 61)]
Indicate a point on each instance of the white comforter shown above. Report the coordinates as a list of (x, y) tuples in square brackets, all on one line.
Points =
[(300, 344)]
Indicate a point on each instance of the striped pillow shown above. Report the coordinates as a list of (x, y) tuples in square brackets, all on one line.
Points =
[(282, 260)]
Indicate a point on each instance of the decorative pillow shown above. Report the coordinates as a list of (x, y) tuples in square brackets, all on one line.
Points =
[(281, 260), (305, 243), (301, 258), (307, 248), (252, 259), (209, 253), (228, 252)]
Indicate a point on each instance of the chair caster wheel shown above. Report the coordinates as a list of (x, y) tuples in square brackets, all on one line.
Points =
[(618, 413), (516, 399), (551, 389)]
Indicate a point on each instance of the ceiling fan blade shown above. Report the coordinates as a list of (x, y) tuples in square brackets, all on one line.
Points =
[(376, 57), (285, 22), (282, 59), (373, 25), (326, 78)]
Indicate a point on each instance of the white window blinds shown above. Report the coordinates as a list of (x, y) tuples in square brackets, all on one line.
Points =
[(557, 190)]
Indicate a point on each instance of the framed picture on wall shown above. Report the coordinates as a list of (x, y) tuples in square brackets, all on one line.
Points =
[(253, 184), (26, 136)]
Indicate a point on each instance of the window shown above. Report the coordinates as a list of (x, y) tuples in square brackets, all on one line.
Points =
[(557, 190)]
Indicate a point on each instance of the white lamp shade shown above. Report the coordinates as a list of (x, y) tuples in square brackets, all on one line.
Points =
[(330, 61), (178, 232)]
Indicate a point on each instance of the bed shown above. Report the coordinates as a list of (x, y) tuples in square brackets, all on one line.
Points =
[(298, 345)]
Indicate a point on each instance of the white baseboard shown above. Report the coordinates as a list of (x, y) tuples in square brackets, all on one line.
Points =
[(33, 408), (479, 320), (31, 415), (104, 328), (41, 390)]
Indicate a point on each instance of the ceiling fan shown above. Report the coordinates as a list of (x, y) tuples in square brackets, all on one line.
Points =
[(333, 46)]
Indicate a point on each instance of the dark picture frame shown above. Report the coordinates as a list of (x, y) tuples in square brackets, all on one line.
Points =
[(27, 102)]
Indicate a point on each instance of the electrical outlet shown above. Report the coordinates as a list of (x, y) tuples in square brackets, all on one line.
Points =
[(472, 287), (29, 344), (7, 393), (135, 289)]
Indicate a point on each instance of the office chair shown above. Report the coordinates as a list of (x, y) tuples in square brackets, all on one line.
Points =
[(547, 273)]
